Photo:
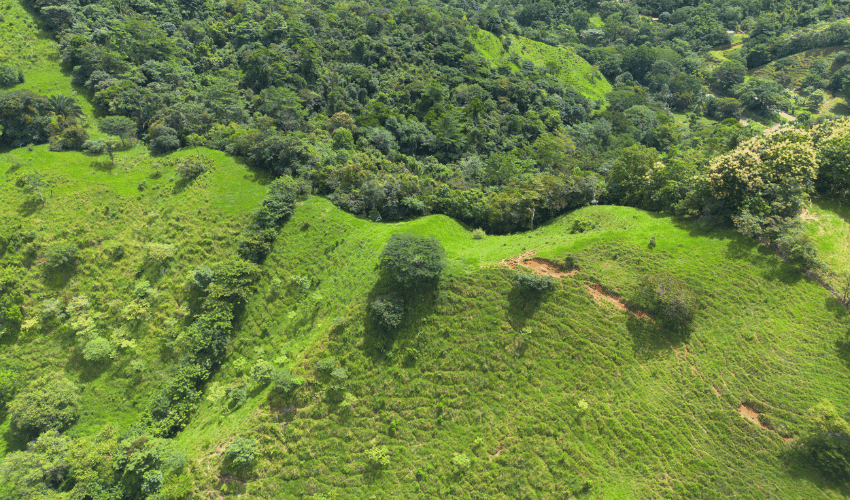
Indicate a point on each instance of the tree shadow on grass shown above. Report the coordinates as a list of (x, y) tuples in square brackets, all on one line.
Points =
[(836, 307), (14, 441), (379, 339), (523, 304), (646, 338), (102, 166), (256, 175), (799, 466), (30, 206), (650, 338), (58, 278), (783, 272)]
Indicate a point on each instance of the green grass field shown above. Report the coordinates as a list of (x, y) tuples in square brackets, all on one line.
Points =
[(481, 370)]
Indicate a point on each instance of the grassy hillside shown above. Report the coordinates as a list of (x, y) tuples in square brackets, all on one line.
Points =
[(139, 232), (568, 66), (547, 397)]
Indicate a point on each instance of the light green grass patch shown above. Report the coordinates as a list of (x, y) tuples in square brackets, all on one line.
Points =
[(568, 66)]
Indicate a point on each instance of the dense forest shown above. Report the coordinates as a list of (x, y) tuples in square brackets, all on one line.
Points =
[(253, 228)]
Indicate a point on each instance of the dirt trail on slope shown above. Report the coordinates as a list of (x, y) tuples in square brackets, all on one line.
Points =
[(537, 266)]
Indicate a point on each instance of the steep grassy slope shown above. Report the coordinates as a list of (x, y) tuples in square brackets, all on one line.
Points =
[(547, 397), (139, 232), (568, 66)]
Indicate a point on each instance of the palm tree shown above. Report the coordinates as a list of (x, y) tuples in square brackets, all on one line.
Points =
[(64, 106)]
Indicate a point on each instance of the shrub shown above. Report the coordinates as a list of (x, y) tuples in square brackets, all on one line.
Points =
[(98, 350), (461, 461), (49, 402), (326, 364), (242, 452), (10, 76), (668, 300), (534, 283), (73, 138), (389, 309), (95, 146), (339, 377), (284, 382), (478, 234), (61, 255), (413, 260), (162, 139), (201, 278), (236, 394), (378, 457), (261, 372), (189, 169)]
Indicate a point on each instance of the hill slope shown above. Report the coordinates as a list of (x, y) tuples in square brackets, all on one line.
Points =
[(566, 394)]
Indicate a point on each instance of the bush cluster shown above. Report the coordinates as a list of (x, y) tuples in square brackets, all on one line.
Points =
[(668, 300), (534, 283), (413, 261)]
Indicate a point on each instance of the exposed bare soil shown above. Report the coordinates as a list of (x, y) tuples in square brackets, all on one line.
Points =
[(751, 415)]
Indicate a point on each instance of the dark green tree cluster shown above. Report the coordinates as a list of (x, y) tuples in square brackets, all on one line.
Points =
[(413, 261)]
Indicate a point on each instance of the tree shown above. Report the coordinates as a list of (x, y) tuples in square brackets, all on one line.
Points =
[(163, 139), (49, 402), (413, 260), (61, 255), (24, 118), (669, 301), (63, 106), (98, 350), (534, 283), (728, 74), (121, 126), (241, 452)]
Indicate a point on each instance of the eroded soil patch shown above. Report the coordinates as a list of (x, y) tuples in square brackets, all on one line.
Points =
[(537, 266), (751, 415)]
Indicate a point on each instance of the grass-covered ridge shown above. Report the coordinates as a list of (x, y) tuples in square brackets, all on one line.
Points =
[(558, 395)]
